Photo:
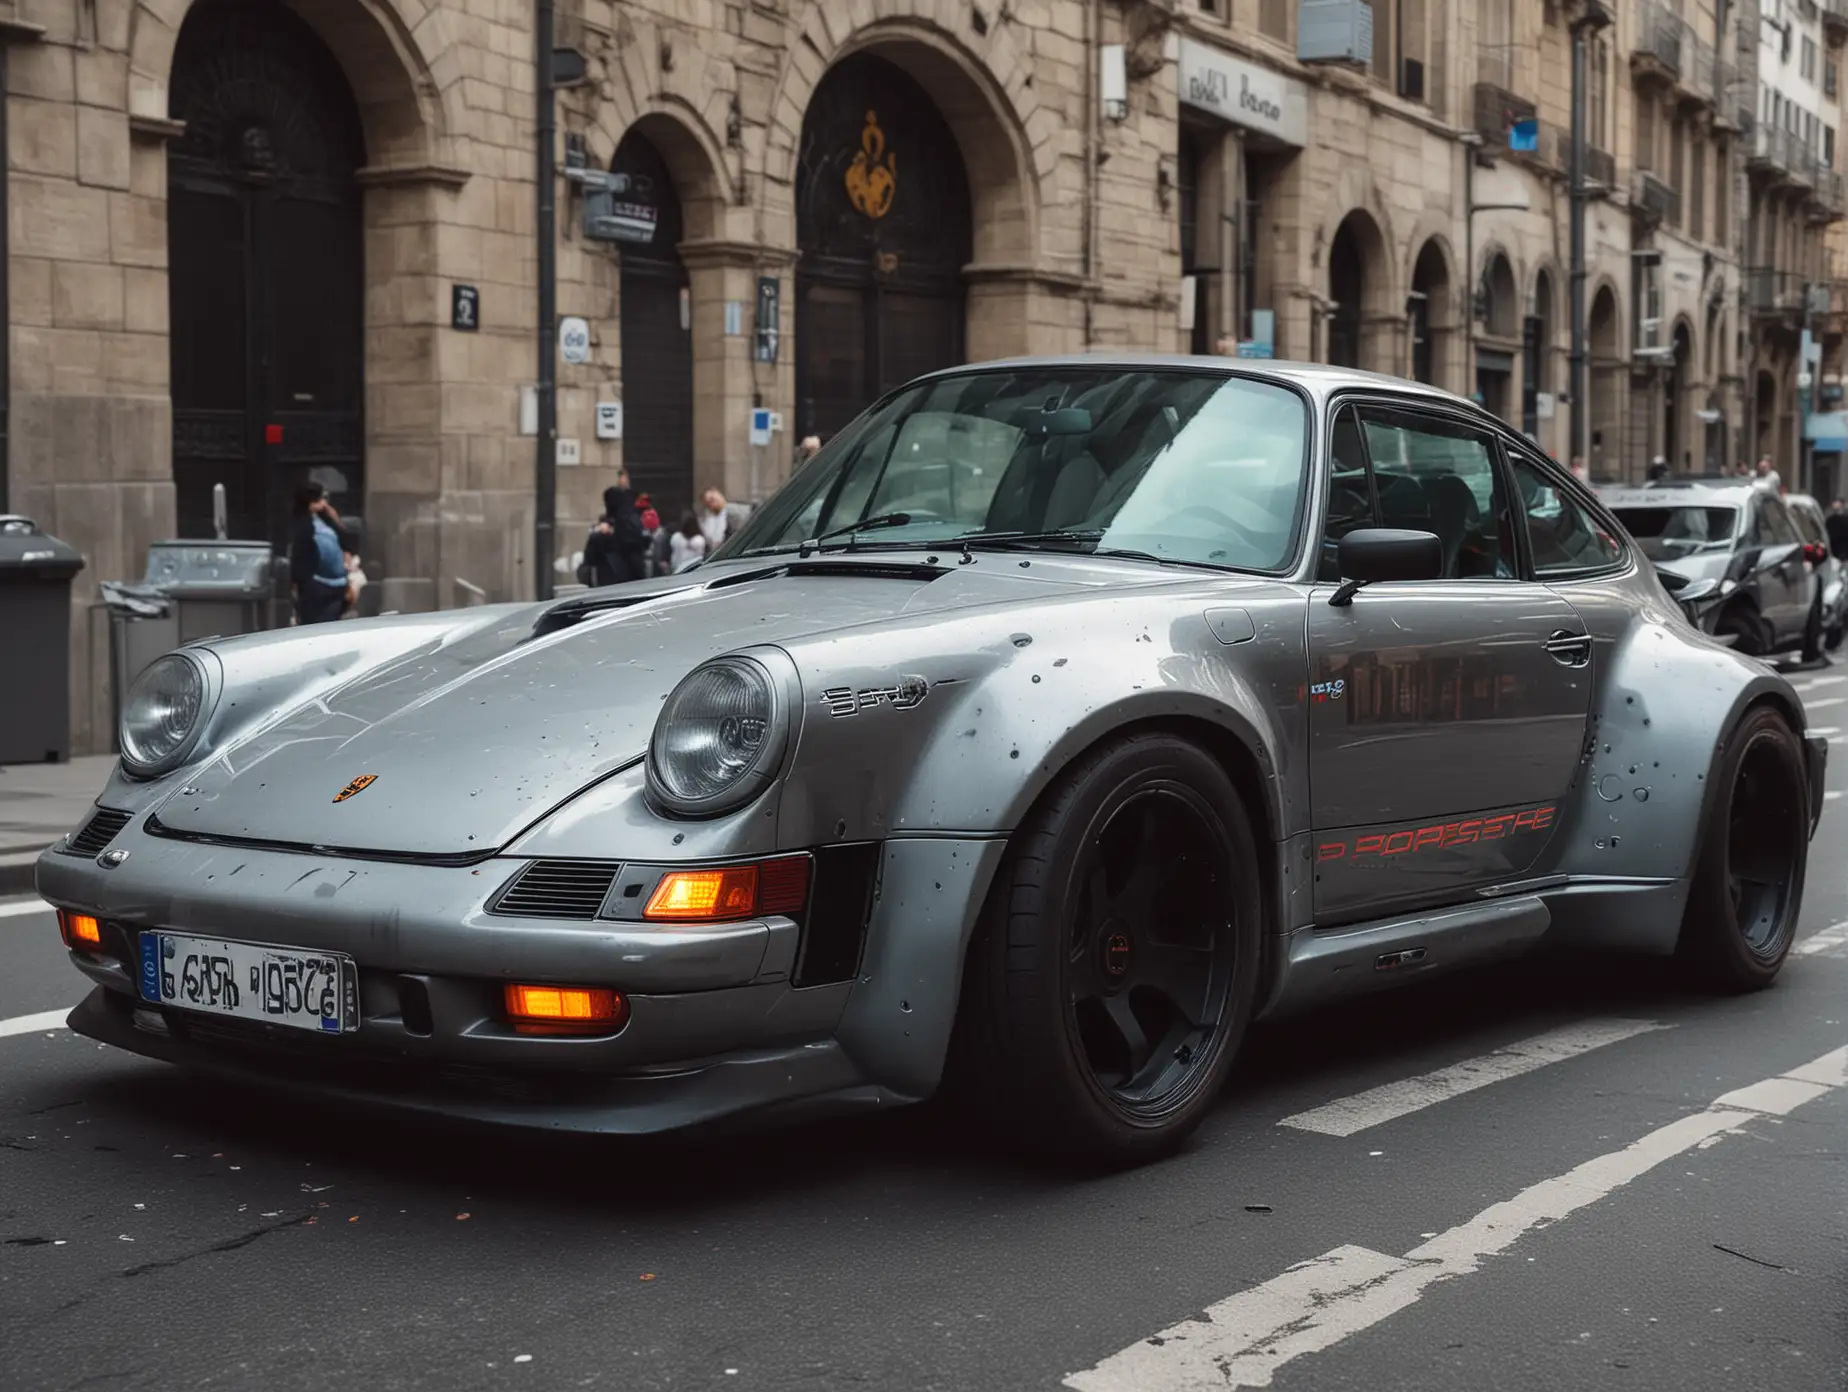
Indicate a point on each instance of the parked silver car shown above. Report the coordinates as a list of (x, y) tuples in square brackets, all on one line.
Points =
[(1758, 576), (1057, 720), (1832, 575)]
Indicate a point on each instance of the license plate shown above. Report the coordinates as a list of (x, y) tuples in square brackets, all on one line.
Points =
[(251, 981)]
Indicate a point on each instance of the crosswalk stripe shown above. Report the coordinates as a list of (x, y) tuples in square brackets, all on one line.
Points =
[(1815, 682), (1831, 701), (1389, 1101), (13, 908), (32, 1024), (1831, 940)]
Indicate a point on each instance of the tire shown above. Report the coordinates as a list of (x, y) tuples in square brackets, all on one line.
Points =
[(1747, 888), (1142, 845), (1832, 637), (1748, 631), (1812, 632)]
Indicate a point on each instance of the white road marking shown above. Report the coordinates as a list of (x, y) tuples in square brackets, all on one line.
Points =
[(1830, 796), (1815, 682), (1831, 701), (14, 907), (1243, 1340), (1833, 940), (1390, 1101), (33, 1024), (1823, 730)]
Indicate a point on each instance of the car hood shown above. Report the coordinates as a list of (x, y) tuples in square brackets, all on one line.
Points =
[(1701, 565), (466, 743)]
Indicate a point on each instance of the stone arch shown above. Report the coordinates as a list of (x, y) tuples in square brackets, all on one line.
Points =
[(1355, 192), (1498, 275), (384, 54), (691, 150), (1432, 275), (980, 82), (1545, 295), (1605, 342), (1362, 319)]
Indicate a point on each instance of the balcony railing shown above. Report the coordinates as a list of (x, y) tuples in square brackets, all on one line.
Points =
[(1663, 41), (1770, 149), (1831, 193), (1497, 109), (1769, 291), (1653, 199), (1835, 17), (1600, 167)]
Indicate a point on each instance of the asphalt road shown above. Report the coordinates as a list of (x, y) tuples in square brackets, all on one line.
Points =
[(1563, 1175)]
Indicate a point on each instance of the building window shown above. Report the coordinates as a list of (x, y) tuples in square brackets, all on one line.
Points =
[(1645, 131), (1831, 75), (1808, 66), (1398, 42), (1676, 148), (1596, 102), (1274, 19), (1697, 190), (1722, 188)]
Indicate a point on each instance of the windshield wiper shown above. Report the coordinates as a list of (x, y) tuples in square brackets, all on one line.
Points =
[(865, 524), (973, 539)]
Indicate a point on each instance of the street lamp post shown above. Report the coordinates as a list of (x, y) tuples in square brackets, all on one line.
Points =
[(545, 459)]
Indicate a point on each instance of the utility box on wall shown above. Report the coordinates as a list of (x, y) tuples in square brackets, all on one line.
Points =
[(1335, 31)]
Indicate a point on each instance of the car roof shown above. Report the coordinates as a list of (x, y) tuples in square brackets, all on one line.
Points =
[(1675, 494), (1320, 379)]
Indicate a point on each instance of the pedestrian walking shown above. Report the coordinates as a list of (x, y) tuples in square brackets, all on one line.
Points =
[(718, 519), (616, 551), (1836, 524), (317, 559), (687, 544)]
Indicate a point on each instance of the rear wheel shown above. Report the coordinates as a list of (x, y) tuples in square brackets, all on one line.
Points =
[(1812, 632), (1113, 973), (1745, 628), (1748, 881)]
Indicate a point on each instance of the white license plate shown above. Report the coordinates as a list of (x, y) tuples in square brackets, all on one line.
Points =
[(251, 981)]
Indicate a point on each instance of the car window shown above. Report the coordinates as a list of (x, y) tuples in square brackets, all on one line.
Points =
[(1777, 522), (1350, 495), (1187, 466), (1436, 475), (1808, 522), (1662, 533), (1561, 535)]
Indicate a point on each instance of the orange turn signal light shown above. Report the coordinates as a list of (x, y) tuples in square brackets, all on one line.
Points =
[(81, 931), (566, 1009), (735, 891), (704, 894)]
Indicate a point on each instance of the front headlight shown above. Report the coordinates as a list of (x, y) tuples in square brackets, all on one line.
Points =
[(720, 738), (165, 711)]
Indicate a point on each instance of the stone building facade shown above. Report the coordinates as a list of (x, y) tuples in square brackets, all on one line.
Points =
[(261, 241)]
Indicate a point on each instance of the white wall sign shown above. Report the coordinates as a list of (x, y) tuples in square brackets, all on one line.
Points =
[(570, 452), (1543, 405), (609, 420), (1243, 93), (760, 427), (734, 318), (574, 339)]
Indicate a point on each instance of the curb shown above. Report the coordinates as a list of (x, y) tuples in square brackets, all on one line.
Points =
[(16, 872)]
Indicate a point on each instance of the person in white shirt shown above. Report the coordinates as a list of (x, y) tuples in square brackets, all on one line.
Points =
[(687, 545), (1767, 476), (718, 519)]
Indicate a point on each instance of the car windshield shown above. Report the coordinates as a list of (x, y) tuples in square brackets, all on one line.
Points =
[(1663, 532), (1179, 466)]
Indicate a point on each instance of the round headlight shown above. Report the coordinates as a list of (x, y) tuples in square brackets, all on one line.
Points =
[(719, 738), (163, 714)]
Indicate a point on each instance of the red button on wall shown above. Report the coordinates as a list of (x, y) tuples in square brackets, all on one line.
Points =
[(272, 434)]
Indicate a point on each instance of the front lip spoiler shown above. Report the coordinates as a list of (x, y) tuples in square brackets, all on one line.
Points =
[(1816, 761)]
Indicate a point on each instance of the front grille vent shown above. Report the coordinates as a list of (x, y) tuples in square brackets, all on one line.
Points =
[(558, 889), (98, 832)]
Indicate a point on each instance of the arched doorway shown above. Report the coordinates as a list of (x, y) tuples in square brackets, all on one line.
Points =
[(1764, 418), (657, 321), (1352, 257), (884, 227), (1677, 447), (1429, 311), (1606, 368), (265, 285), (1495, 360), (1536, 351)]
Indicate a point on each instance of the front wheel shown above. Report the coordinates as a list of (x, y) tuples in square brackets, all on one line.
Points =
[(1748, 880), (1113, 972), (1812, 632)]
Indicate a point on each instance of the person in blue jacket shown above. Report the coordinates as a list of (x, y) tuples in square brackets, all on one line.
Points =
[(317, 558)]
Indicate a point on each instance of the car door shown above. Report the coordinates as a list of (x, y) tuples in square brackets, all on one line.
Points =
[(1783, 581), (1446, 717)]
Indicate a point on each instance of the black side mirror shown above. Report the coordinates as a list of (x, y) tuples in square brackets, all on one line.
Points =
[(1374, 554)]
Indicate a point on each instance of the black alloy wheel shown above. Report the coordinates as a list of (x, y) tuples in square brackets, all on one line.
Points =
[(1114, 970), (1747, 890)]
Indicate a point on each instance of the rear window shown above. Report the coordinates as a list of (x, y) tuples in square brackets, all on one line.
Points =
[(1664, 532)]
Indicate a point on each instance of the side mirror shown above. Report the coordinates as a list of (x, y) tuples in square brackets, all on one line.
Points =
[(1371, 555)]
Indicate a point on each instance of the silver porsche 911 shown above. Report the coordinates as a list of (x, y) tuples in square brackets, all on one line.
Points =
[(1060, 718)]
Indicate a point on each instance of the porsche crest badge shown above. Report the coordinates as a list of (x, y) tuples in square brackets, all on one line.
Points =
[(357, 786)]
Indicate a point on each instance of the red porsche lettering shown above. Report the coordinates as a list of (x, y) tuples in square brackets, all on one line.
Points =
[(1438, 836)]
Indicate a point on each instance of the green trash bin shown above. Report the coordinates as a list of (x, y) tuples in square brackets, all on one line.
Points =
[(35, 615)]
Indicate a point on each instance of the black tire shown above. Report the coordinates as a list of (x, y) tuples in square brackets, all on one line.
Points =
[(1812, 632), (1747, 888), (1749, 633), (1052, 1010), (1832, 638)]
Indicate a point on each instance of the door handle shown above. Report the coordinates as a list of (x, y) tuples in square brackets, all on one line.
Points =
[(1569, 649)]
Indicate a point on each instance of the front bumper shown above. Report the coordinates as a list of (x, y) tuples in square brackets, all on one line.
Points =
[(1816, 758), (717, 1026)]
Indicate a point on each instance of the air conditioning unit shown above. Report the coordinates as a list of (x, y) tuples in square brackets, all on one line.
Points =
[(1335, 31)]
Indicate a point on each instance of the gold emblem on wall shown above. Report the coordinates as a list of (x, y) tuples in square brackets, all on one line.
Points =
[(872, 178)]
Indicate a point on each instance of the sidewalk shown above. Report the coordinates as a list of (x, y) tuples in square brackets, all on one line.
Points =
[(38, 804)]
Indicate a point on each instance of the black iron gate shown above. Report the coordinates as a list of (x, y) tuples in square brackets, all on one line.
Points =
[(266, 285), (883, 220)]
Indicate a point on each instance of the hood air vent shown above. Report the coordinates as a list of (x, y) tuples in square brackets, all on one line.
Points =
[(557, 889), (101, 829)]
